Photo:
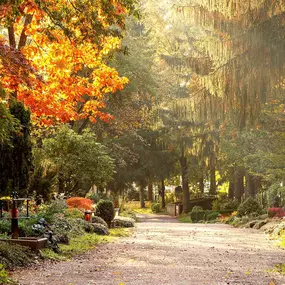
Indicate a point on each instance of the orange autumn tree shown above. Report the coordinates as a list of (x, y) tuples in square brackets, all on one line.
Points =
[(60, 70)]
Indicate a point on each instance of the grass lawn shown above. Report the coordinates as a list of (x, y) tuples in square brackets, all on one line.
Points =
[(82, 244)]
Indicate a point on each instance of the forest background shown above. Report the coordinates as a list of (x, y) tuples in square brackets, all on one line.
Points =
[(114, 93)]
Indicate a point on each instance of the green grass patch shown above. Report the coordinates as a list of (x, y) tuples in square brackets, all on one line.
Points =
[(120, 232), (143, 211), (82, 244), (185, 218)]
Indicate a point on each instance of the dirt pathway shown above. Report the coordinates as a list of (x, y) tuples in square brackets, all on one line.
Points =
[(165, 252)]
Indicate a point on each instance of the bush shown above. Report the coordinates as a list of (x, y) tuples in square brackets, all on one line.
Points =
[(197, 216), (98, 220), (79, 203), (96, 197), (223, 204), (211, 216), (249, 206), (71, 227), (105, 210), (5, 226), (197, 209), (155, 207), (276, 212), (63, 238), (100, 229), (73, 213), (123, 222), (13, 255)]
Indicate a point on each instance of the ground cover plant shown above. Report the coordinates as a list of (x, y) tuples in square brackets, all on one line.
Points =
[(73, 234)]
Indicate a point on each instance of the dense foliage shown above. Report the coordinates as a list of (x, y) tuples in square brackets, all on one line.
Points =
[(105, 210)]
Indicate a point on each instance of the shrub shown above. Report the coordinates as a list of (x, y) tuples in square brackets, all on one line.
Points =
[(96, 197), (79, 203), (13, 255), (230, 205), (222, 204), (57, 206), (100, 229), (197, 209), (98, 220), (197, 216), (71, 227), (211, 216), (249, 206), (73, 213), (276, 212), (155, 207), (105, 210), (5, 226), (63, 238), (123, 222)]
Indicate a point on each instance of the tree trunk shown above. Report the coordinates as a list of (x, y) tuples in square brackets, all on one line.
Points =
[(239, 184), (213, 181), (257, 183), (150, 192), (162, 194), (201, 184), (142, 204), (185, 183), (231, 191), (250, 186)]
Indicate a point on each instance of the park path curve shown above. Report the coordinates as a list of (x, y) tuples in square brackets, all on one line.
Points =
[(165, 252)]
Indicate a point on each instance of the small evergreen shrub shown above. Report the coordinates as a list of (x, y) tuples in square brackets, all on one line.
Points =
[(71, 227), (249, 206), (63, 238), (197, 216), (5, 226), (100, 229), (98, 220), (123, 222), (211, 216), (13, 255), (105, 210), (197, 209), (73, 213), (88, 228), (96, 197), (223, 204), (155, 207), (230, 205)]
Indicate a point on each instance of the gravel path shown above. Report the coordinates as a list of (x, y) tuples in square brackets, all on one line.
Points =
[(165, 252)]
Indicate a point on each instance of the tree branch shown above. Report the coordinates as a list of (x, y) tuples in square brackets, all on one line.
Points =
[(12, 40), (23, 37)]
